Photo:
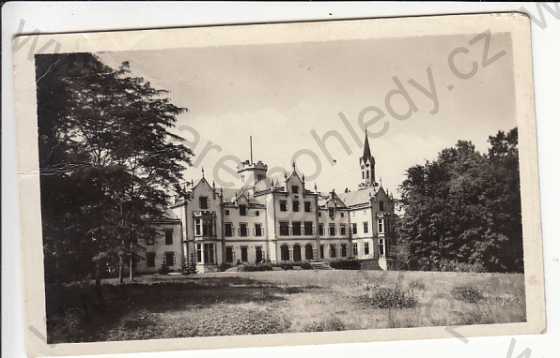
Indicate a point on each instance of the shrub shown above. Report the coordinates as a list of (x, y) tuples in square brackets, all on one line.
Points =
[(306, 266), (330, 324), (224, 266), (467, 294), (385, 297), (164, 269), (258, 267), (345, 264)]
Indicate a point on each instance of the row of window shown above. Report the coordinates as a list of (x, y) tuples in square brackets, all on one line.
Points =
[(168, 238), (168, 259), (295, 206), (244, 255), (203, 205), (205, 253), (243, 229), (308, 228), (308, 251)]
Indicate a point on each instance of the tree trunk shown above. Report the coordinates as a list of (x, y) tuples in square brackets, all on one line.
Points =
[(121, 264), (130, 265)]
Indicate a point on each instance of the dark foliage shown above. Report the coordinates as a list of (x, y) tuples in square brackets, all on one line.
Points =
[(386, 297), (462, 211), (107, 161), (345, 264), (467, 294)]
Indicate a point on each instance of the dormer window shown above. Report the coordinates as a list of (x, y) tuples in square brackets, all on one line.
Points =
[(242, 210), (381, 206), (203, 202), (295, 189), (331, 212)]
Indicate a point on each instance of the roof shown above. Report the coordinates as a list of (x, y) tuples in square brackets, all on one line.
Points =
[(357, 197), (367, 151)]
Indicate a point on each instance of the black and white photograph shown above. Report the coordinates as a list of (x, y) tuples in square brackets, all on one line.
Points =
[(280, 179)]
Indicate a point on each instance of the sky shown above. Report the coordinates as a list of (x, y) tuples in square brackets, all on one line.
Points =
[(288, 96)]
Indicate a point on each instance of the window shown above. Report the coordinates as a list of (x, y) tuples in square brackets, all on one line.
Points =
[(257, 213), (228, 230), (295, 189), (260, 177), (169, 237), (331, 212), (198, 252), (203, 202), (355, 249), (151, 259), (341, 215), (297, 253), (284, 228), (380, 226), (296, 228), (320, 214), (284, 253), (332, 250), (283, 206), (322, 251), (366, 228), (308, 252), (244, 254), (150, 241), (332, 229), (258, 229), (198, 227), (308, 228), (208, 253), (169, 258), (307, 206), (295, 205), (321, 229), (366, 248), (243, 229), (343, 250), (381, 247), (354, 228), (259, 254), (227, 212), (342, 229), (242, 210), (229, 254), (381, 206)]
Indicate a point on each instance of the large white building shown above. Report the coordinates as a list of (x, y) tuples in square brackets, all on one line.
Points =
[(276, 221)]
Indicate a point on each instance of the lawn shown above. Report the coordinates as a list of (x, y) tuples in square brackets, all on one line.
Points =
[(280, 301)]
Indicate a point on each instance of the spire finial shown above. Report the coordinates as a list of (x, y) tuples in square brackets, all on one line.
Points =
[(367, 151), (251, 147), (203, 172), (294, 165)]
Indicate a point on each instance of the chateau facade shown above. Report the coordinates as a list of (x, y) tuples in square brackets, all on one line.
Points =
[(276, 221)]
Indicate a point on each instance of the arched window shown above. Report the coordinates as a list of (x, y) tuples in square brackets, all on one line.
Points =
[(297, 252), (284, 253), (367, 173), (308, 252)]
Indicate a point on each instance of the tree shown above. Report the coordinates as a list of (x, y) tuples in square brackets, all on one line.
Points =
[(108, 159), (463, 211)]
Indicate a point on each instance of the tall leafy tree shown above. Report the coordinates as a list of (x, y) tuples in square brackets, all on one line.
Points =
[(108, 159), (462, 210)]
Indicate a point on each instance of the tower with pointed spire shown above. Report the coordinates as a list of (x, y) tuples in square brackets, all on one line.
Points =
[(367, 166)]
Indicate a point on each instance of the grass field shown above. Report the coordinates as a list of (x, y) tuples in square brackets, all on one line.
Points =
[(280, 301)]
